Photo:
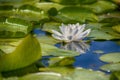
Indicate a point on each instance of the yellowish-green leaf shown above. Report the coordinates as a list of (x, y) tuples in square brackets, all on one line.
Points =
[(116, 28), (26, 53)]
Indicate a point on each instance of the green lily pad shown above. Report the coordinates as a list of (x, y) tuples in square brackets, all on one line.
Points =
[(38, 76), (11, 78), (97, 34), (48, 50), (26, 12), (47, 40), (61, 61), (30, 13), (73, 2), (116, 28), (111, 67), (115, 75), (45, 6), (112, 57), (86, 1), (51, 26), (102, 6), (14, 28), (17, 3), (77, 73), (1, 77), (65, 2), (42, 76), (21, 72), (6, 10), (110, 18), (26, 53), (74, 15)]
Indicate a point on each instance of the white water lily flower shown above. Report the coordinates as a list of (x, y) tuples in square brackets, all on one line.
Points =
[(71, 32)]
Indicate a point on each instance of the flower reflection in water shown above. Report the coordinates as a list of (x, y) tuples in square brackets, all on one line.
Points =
[(80, 47)]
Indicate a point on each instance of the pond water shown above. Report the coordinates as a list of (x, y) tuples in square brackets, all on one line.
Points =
[(89, 59)]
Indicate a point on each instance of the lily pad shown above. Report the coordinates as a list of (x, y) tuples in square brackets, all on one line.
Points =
[(45, 6), (6, 10), (111, 67), (61, 61), (26, 12), (1, 77), (26, 53), (77, 73), (97, 34), (48, 50), (115, 75), (51, 26), (65, 2), (112, 57), (102, 6), (14, 28), (74, 15), (47, 40), (42, 76), (17, 3), (116, 28), (30, 13), (73, 2)]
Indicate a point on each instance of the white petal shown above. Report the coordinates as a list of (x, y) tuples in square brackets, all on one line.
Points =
[(81, 27), (62, 28), (57, 37), (79, 30), (83, 35), (56, 32)]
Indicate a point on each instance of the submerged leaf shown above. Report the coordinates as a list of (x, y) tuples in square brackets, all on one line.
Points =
[(26, 53)]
